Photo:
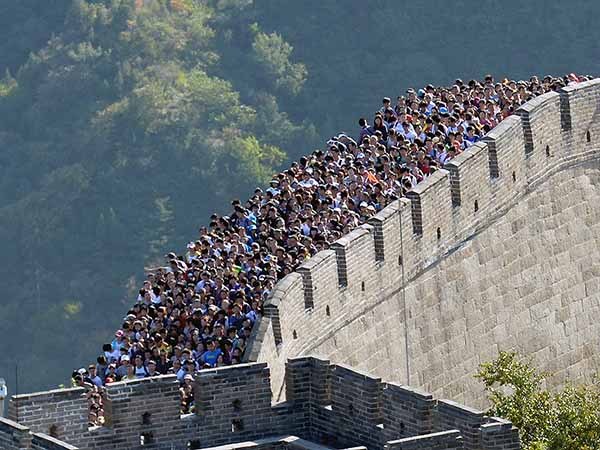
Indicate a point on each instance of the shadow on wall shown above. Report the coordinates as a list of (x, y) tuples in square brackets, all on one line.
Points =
[(388, 297)]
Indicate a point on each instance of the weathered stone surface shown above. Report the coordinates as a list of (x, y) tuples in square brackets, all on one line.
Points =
[(499, 252)]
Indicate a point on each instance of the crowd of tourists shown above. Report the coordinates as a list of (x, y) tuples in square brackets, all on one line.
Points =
[(198, 310)]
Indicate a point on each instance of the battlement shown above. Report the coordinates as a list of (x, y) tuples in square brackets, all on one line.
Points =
[(309, 310), (328, 406)]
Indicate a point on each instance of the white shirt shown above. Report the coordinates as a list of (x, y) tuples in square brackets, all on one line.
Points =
[(308, 183), (141, 372)]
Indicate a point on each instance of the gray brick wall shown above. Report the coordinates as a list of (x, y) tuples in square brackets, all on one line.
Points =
[(339, 406), (328, 405), (13, 436), (60, 412), (433, 309), (407, 412), (500, 435)]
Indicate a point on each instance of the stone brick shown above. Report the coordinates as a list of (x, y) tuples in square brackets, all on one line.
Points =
[(516, 257)]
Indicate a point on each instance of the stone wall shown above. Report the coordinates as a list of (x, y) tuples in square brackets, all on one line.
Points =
[(498, 251), (444, 440), (14, 436), (234, 404), (278, 443), (328, 406), (341, 407), (61, 413)]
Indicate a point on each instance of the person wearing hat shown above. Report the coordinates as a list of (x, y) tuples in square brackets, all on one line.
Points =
[(152, 371), (119, 340), (187, 368), (186, 394), (273, 187), (124, 364)]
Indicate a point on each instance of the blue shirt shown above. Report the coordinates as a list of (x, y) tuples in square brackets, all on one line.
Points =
[(210, 357)]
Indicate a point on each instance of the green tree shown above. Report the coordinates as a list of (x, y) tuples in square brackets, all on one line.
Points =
[(566, 419), (273, 53)]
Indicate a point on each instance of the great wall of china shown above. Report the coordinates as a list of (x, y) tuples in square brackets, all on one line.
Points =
[(499, 251)]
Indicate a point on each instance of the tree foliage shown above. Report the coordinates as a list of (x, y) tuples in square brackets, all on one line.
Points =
[(273, 53), (566, 419)]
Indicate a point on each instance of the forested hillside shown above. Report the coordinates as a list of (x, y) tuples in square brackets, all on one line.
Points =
[(125, 123)]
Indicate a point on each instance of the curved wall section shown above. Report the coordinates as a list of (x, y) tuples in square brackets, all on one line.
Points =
[(498, 251)]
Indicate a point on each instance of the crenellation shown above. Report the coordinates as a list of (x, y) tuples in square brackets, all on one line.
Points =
[(355, 255), (431, 203), (506, 149), (386, 233), (409, 259), (583, 100), (406, 411), (288, 293), (326, 404), (505, 142), (41, 441), (500, 435), (471, 189), (319, 276), (541, 121), (13, 436), (356, 403), (450, 414), (261, 334), (41, 413)]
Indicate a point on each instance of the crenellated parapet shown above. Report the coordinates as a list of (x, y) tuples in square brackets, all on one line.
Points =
[(310, 309), (328, 406)]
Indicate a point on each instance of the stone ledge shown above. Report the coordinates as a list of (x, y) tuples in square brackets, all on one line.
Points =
[(9, 424), (50, 442)]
